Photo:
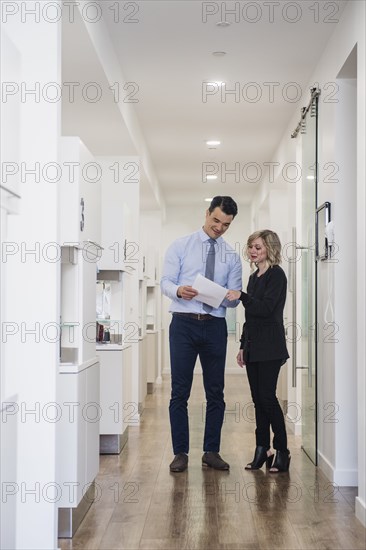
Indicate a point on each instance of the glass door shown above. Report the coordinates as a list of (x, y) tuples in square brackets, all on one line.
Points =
[(308, 285)]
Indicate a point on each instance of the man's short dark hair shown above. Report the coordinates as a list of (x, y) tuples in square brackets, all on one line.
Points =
[(227, 205)]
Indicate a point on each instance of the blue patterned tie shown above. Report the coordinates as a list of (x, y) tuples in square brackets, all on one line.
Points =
[(210, 268)]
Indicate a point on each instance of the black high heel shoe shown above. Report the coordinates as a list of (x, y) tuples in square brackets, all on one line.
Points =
[(281, 462), (260, 457)]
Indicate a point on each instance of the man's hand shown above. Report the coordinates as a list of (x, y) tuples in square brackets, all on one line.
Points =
[(186, 292)]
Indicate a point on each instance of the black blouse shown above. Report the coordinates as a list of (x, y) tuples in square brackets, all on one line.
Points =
[(263, 337)]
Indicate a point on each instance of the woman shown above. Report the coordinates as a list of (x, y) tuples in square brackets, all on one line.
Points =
[(263, 346)]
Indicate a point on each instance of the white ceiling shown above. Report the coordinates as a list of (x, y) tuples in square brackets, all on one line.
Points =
[(167, 54)]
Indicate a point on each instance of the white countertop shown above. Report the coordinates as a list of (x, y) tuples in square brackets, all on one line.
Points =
[(112, 347), (74, 368)]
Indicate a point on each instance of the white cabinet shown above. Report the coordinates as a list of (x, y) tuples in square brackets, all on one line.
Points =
[(79, 378), (142, 308), (113, 314), (151, 359), (151, 269), (151, 307), (149, 326), (120, 241), (130, 407), (118, 410), (114, 232), (80, 189), (142, 374), (77, 444), (92, 414), (142, 263), (119, 202), (111, 392)]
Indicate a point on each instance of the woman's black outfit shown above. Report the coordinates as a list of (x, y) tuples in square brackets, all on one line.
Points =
[(264, 344)]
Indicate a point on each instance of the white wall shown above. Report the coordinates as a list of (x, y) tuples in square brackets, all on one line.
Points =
[(342, 363), (150, 240), (32, 294), (100, 38), (150, 246), (338, 285)]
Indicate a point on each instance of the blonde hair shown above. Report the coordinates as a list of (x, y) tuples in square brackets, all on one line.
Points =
[(272, 244)]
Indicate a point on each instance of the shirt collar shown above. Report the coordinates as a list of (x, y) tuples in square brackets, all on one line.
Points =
[(204, 237)]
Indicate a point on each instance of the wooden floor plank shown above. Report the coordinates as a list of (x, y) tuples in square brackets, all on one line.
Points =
[(142, 505)]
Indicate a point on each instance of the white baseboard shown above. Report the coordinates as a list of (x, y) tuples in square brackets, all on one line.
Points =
[(361, 511), (343, 478)]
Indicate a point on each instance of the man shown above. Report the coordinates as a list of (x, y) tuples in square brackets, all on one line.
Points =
[(197, 329)]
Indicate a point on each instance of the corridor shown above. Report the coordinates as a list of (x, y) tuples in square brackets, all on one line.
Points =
[(140, 504)]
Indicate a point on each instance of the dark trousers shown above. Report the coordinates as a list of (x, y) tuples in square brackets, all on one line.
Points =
[(188, 339), (262, 378)]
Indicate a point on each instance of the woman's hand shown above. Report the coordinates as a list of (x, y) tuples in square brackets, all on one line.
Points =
[(240, 358), (233, 295)]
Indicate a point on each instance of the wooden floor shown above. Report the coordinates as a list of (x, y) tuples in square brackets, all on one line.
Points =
[(140, 504)]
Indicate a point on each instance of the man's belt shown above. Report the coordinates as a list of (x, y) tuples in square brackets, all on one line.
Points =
[(197, 316)]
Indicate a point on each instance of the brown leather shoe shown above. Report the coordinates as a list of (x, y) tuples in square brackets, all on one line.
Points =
[(179, 463), (214, 460)]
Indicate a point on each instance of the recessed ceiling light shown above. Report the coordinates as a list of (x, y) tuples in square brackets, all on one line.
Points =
[(219, 53), (214, 83), (213, 142), (223, 24), (211, 177), (209, 199)]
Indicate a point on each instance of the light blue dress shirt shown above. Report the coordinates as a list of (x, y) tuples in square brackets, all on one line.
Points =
[(186, 258)]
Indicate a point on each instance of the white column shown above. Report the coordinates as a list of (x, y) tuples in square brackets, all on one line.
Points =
[(32, 273), (120, 229), (343, 412)]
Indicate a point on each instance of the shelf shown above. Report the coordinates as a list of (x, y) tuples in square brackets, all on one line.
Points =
[(77, 312), (109, 275)]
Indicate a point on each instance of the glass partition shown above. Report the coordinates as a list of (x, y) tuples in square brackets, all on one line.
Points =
[(308, 366)]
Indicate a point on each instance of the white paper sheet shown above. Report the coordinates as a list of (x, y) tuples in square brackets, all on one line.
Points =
[(209, 292)]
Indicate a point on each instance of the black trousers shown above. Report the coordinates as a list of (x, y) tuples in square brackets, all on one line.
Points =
[(263, 376)]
